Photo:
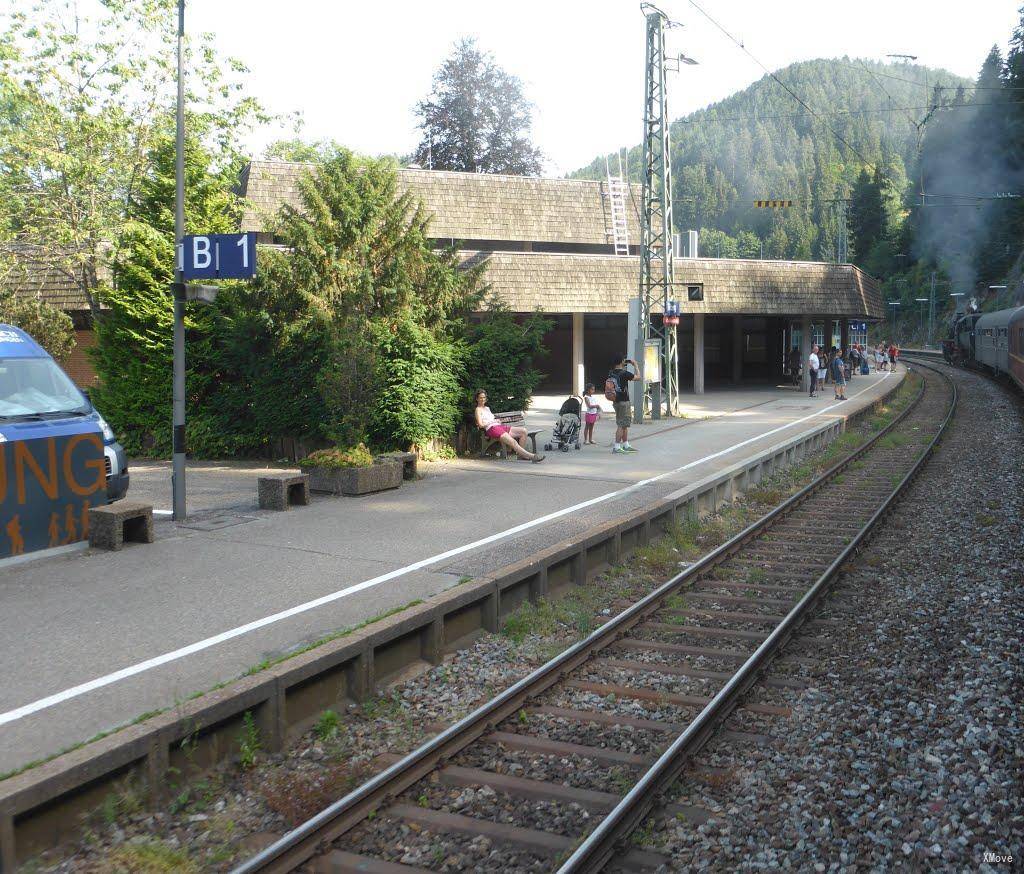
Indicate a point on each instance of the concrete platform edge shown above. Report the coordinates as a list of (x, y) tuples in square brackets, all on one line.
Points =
[(284, 700)]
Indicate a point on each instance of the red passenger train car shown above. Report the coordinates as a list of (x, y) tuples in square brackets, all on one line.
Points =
[(1015, 358)]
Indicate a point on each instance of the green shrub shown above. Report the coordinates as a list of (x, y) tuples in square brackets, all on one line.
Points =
[(417, 381), (502, 348), (337, 459), (47, 325)]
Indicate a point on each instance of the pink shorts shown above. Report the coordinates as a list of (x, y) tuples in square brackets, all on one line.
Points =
[(495, 431), (591, 418)]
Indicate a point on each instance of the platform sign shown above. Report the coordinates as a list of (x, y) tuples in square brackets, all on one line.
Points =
[(652, 360), (671, 308), (47, 486), (218, 256)]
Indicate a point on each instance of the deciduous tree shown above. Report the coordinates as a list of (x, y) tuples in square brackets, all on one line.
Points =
[(82, 103)]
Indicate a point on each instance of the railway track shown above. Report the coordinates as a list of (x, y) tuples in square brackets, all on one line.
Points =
[(615, 720)]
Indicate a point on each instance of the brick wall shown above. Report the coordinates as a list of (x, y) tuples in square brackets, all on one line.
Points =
[(78, 366)]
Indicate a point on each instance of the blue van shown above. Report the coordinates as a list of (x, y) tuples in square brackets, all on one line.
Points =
[(38, 400)]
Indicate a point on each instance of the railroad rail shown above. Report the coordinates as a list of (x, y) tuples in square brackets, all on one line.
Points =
[(748, 598)]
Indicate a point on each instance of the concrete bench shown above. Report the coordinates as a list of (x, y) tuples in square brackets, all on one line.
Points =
[(408, 460), (110, 526), (279, 491), (514, 419)]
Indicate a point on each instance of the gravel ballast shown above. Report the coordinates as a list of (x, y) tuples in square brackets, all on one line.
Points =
[(907, 749), (906, 737)]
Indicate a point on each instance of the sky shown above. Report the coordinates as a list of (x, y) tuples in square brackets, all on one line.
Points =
[(356, 70)]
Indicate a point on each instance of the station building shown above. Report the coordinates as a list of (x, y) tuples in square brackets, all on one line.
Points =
[(548, 246)]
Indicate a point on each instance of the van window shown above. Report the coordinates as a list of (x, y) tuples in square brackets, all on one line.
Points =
[(37, 387)]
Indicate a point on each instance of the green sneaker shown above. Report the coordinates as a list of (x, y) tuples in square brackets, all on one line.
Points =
[(628, 448), (618, 450)]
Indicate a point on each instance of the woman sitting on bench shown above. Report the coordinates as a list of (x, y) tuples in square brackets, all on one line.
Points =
[(513, 438)]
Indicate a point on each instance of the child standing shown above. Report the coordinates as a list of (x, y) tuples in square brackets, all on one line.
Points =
[(591, 411)]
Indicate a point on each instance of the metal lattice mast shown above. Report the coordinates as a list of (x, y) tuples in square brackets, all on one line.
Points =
[(656, 255)]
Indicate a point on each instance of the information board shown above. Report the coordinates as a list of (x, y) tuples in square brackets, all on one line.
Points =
[(652, 360)]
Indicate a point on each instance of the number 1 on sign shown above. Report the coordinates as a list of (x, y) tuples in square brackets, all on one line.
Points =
[(243, 241)]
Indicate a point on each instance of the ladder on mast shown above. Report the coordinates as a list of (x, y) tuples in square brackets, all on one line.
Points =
[(617, 192)]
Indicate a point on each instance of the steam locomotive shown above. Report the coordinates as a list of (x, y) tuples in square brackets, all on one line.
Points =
[(992, 341)]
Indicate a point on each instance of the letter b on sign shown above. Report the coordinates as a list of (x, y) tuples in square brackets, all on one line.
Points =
[(201, 257)]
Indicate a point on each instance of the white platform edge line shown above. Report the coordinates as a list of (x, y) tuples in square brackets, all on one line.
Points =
[(230, 634)]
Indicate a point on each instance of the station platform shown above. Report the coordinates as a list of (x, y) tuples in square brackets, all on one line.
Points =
[(91, 640)]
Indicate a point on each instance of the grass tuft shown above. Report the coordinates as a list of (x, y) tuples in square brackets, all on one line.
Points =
[(327, 725), (154, 857)]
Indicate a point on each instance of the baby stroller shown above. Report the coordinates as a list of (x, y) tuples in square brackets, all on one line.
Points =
[(566, 432)]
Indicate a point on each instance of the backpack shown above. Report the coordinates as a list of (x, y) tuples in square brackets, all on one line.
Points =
[(611, 387)]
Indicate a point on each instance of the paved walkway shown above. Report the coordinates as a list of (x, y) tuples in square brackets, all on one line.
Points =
[(91, 640)]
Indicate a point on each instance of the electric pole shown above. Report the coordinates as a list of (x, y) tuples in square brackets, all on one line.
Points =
[(931, 311), (178, 391), (657, 275)]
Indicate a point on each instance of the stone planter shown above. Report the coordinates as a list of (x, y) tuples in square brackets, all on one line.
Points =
[(384, 473)]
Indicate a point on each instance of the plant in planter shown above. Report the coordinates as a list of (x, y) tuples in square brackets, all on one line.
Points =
[(350, 471)]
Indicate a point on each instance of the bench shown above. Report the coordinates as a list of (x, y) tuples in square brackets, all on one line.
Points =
[(514, 419), (111, 525), (408, 460), (279, 491)]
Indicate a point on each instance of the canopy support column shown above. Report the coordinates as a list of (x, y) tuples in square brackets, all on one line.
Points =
[(737, 348), (805, 351), (577, 354), (698, 353)]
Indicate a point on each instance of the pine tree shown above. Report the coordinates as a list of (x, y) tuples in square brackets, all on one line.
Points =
[(387, 310), (867, 215), (476, 119)]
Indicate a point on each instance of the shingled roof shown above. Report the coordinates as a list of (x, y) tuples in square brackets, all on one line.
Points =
[(556, 283), (38, 272), (465, 206)]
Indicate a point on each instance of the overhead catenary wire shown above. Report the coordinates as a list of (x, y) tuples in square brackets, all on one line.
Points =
[(842, 112), (783, 85), (936, 85), (885, 91)]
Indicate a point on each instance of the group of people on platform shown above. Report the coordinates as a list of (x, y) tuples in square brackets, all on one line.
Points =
[(886, 355), (836, 366), (616, 389)]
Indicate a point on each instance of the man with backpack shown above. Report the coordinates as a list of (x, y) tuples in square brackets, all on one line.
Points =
[(839, 375), (616, 389)]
